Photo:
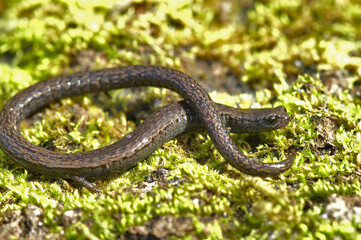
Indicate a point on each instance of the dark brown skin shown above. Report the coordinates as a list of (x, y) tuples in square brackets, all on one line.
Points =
[(198, 111)]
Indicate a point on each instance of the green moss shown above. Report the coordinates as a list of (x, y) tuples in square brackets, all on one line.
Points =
[(302, 55)]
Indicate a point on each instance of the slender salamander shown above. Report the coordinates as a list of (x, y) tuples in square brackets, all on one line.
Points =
[(197, 111)]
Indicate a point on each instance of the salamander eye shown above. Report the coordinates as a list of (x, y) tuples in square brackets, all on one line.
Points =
[(272, 119)]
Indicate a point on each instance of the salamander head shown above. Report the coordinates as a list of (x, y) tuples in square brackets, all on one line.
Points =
[(258, 120)]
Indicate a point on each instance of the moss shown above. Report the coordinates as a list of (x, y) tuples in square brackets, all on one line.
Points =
[(303, 55)]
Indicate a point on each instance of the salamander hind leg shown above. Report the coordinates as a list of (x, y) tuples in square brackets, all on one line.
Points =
[(83, 182)]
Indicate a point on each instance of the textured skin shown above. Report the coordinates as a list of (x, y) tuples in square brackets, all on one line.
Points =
[(197, 112)]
